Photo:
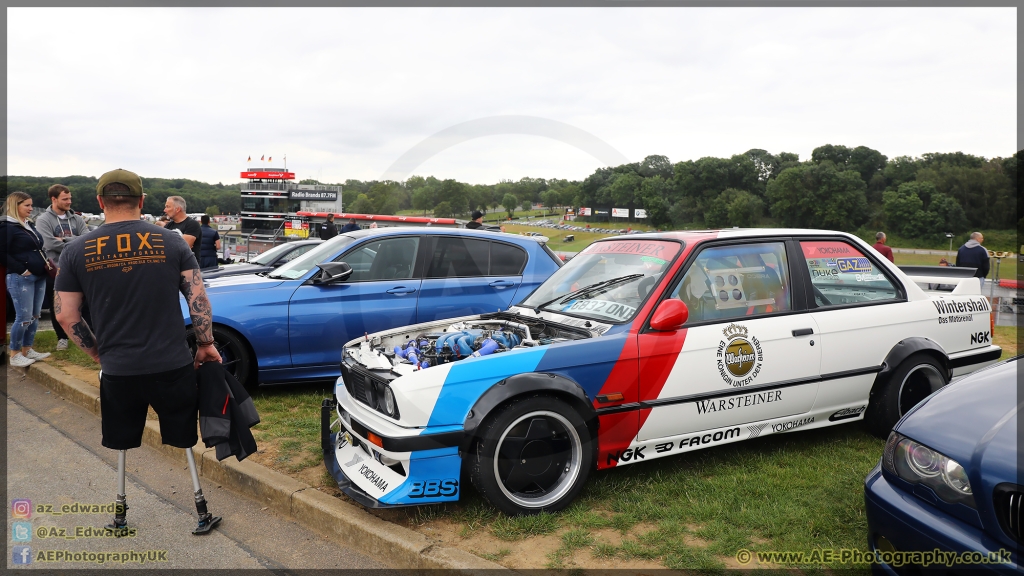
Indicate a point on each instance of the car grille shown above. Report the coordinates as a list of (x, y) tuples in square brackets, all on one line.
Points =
[(1009, 504)]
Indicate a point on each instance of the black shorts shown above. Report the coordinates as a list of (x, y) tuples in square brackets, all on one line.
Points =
[(125, 400)]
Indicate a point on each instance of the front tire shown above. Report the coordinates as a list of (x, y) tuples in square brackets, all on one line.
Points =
[(233, 352), (533, 456), (913, 381)]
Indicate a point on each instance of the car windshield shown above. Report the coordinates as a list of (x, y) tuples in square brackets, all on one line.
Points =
[(303, 264), (269, 256), (607, 281)]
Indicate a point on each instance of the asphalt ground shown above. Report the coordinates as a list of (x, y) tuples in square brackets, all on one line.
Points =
[(54, 458)]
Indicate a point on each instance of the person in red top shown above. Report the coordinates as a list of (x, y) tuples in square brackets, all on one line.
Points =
[(881, 248)]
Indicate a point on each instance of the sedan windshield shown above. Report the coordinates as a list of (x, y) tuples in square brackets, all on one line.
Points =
[(607, 281), (300, 266)]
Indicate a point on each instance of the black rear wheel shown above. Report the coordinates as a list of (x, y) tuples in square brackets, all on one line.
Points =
[(233, 352), (912, 381)]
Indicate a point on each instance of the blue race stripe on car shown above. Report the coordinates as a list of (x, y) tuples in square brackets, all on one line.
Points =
[(588, 363), (468, 379)]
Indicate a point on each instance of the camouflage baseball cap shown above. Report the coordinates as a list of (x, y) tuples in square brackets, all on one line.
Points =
[(129, 179)]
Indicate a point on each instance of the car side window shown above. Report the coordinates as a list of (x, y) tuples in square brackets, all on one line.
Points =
[(458, 257), (743, 280), (506, 259), (295, 253), (387, 259), (842, 274)]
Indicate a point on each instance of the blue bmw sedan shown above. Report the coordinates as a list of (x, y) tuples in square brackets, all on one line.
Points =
[(290, 324), (947, 493)]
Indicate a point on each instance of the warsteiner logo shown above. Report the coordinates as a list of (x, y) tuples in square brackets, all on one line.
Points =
[(739, 356)]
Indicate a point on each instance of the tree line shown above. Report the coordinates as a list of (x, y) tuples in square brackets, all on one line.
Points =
[(199, 196), (838, 188)]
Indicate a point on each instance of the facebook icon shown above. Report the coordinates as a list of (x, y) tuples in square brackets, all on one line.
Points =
[(21, 555)]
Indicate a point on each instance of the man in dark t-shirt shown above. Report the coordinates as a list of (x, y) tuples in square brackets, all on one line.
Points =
[(131, 273), (187, 227)]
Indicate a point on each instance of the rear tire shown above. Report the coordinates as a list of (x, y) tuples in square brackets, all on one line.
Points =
[(913, 381), (233, 351), (532, 456)]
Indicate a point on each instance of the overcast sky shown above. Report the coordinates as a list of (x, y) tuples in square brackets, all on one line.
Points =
[(191, 93)]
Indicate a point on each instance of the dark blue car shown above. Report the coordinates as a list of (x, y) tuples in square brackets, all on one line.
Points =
[(949, 482), (290, 324)]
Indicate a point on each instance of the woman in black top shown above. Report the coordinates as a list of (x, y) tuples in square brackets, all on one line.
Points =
[(26, 277)]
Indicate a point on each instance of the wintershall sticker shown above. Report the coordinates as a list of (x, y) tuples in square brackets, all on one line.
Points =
[(959, 307), (738, 356)]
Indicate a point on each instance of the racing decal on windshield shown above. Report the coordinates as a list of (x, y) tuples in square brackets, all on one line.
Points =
[(738, 356), (613, 310), (853, 264), (656, 248)]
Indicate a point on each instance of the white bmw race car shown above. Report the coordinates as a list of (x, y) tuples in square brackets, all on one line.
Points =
[(646, 346)]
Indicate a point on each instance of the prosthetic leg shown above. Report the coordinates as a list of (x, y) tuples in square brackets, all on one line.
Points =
[(120, 523), (119, 526), (207, 521)]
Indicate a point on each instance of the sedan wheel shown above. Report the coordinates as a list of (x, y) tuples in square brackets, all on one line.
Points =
[(233, 353)]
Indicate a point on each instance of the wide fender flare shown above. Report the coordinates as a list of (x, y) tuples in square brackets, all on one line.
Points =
[(520, 385), (904, 349)]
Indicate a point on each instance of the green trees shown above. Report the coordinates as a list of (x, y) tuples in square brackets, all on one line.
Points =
[(818, 196), (510, 203), (839, 187)]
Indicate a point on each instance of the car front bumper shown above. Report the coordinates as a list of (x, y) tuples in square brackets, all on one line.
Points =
[(377, 478), (900, 521)]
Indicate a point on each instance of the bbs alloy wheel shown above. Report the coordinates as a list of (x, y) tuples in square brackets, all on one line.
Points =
[(533, 456)]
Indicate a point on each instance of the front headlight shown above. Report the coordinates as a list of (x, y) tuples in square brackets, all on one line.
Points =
[(389, 400), (919, 464)]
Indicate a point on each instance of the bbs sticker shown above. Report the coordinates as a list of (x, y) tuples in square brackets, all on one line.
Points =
[(433, 488)]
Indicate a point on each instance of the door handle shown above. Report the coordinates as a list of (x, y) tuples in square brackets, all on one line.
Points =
[(401, 290), (502, 283), (803, 331)]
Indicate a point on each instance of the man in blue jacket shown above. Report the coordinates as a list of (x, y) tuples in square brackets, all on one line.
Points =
[(973, 255)]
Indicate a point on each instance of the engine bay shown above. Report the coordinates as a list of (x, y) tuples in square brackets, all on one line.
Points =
[(406, 352)]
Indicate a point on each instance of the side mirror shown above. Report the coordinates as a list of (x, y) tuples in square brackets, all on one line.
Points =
[(331, 272), (670, 315)]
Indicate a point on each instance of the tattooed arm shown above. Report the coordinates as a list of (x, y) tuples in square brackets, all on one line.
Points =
[(202, 315), (67, 307)]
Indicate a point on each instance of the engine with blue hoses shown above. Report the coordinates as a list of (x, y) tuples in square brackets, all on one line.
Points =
[(431, 349)]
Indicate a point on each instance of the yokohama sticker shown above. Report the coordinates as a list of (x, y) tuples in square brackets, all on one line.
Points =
[(738, 356)]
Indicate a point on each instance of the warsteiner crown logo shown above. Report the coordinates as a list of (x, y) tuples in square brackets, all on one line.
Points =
[(738, 356)]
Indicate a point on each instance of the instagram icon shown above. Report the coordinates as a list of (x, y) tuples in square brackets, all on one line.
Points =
[(21, 508)]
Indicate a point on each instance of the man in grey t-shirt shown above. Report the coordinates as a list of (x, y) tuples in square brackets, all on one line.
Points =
[(130, 272)]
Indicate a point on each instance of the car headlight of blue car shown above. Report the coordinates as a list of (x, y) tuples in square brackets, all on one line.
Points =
[(919, 464)]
